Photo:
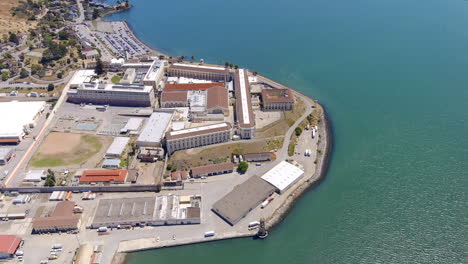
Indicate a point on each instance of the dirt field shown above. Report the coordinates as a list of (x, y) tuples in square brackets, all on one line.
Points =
[(61, 149), (9, 23), (222, 153)]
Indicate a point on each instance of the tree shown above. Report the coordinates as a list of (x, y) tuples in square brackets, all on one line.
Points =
[(24, 73), (96, 13), (193, 58), (13, 38), (99, 69), (298, 131), (60, 75), (226, 64), (50, 179), (53, 52), (50, 87), (243, 166), (5, 75), (63, 35), (236, 66), (35, 68)]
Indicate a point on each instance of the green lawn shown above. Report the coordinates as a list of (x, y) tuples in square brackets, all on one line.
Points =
[(116, 79)]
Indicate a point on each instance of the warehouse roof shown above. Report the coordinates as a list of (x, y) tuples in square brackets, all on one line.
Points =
[(9, 244), (155, 127), (18, 115), (242, 199), (282, 175), (118, 146), (62, 216)]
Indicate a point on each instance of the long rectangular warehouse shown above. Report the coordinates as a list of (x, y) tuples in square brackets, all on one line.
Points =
[(242, 199), (244, 113), (154, 211), (154, 130), (117, 147), (283, 175), (17, 119)]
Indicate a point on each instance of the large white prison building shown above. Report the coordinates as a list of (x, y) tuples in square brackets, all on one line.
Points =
[(197, 136)]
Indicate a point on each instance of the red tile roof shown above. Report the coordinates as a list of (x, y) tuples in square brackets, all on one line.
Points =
[(277, 95), (62, 217), (184, 174), (104, 176), (174, 96), (217, 97), (175, 175), (213, 168), (191, 86), (9, 244)]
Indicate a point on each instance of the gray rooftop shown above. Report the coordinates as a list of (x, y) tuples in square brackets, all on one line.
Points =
[(144, 209), (242, 199)]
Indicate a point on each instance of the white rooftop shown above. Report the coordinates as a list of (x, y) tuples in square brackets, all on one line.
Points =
[(283, 175), (134, 88), (179, 125), (156, 69), (197, 129), (118, 146), (244, 96), (34, 175), (199, 66), (155, 127), (133, 124), (16, 115), (82, 76)]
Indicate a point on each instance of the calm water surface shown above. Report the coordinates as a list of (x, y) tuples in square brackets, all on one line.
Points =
[(393, 75)]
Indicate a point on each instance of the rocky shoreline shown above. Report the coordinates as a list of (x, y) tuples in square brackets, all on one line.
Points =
[(322, 166)]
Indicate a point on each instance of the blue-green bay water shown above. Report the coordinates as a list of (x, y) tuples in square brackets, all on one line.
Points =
[(393, 75)]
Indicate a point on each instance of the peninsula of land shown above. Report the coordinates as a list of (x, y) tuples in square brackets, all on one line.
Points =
[(130, 149)]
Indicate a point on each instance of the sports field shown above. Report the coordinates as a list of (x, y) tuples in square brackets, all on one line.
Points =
[(62, 149)]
